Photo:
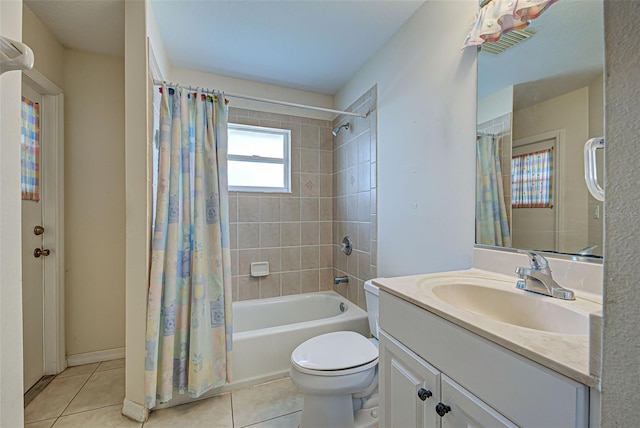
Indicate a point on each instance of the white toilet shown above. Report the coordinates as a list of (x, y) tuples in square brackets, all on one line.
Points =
[(338, 375)]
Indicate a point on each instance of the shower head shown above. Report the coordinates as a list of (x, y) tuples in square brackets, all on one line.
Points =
[(337, 129)]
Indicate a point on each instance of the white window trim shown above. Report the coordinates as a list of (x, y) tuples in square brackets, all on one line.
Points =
[(286, 161)]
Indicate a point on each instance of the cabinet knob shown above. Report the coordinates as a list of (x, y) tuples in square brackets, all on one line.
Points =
[(442, 409), (423, 394)]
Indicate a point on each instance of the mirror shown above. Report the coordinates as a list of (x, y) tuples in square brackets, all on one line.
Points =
[(539, 101)]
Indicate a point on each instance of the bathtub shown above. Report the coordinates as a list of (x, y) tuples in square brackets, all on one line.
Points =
[(266, 331)]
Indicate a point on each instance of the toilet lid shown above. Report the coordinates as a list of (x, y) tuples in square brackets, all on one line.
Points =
[(334, 351)]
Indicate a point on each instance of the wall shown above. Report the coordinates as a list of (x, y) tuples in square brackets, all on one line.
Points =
[(48, 52), (426, 136), (570, 113), (621, 359), (291, 231), (94, 202), (354, 201), (11, 402), (495, 105)]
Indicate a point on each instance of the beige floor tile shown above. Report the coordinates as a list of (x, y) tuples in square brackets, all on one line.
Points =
[(42, 424), (211, 413), (51, 402), (266, 401), (102, 389), (76, 370), (109, 365), (107, 417), (288, 421)]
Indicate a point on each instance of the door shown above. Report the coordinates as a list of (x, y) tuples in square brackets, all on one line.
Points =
[(32, 267), (409, 387), (461, 409), (535, 228)]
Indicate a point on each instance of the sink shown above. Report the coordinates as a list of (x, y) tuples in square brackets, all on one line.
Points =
[(514, 307)]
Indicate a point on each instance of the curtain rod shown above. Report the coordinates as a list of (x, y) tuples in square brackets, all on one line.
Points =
[(267, 101)]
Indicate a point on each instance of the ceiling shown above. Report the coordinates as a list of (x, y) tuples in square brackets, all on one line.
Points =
[(565, 54), (87, 25), (312, 45)]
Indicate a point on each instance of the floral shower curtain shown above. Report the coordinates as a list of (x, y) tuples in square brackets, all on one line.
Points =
[(492, 225), (188, 338)]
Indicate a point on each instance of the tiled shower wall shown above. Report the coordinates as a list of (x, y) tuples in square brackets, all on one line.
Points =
[(292, 231), (355, 197)]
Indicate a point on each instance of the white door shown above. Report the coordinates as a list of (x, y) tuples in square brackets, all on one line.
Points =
[(461, 409), (32, 274), (409, 387), (536, 228)]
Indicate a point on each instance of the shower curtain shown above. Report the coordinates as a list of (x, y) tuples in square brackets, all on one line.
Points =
[(492, 225), (188, 337)]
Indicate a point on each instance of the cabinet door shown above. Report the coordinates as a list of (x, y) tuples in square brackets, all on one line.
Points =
[(466, 410), (409, 387)]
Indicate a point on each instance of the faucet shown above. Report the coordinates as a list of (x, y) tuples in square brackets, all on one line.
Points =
[(339, 279), (537, 278)]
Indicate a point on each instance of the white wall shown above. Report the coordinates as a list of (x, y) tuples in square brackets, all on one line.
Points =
[(621, 341), (255, 89), (426, 140), (11, 404), (94, 202), (495, 105), (48, 52)]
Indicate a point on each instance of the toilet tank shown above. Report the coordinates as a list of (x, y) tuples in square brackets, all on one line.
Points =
[(371, 293)]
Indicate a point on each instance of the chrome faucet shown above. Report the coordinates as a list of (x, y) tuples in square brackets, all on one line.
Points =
[(537, 278), (339, 279)]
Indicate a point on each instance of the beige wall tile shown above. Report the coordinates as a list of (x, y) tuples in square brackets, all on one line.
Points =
[(310, 257), (269, 209), (364, 176), (274, 257), (290, 234), (326, 185), (299, 119), (295, 160), (309, 209), (290, 283), (364, 147), (289, 209), (309, 161), (326, 138), (326, 279), (352, 208), (248, 235), (276, 117), (326, 232), (233, 235), (309, 185), (326, 209), (234, 262), (233, 208), (248, 209), (352, 154), (295, 184), (374, 175), (326, 162), (310, 137), (310, 233), (326, 256), (352, 180), (364, 206), (269, 235), (270, 286), (248, 288), (309, 281), (290, 259), (364, 237)]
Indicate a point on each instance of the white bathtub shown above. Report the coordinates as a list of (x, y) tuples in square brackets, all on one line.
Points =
[(266, 331)]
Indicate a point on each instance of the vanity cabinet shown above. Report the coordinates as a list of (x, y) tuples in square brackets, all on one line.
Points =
[(416, 394), (483, 384)]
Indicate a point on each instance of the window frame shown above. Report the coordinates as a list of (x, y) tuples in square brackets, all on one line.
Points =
[(285, 161)]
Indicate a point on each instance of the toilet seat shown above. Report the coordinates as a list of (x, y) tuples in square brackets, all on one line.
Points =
[(335, 354)]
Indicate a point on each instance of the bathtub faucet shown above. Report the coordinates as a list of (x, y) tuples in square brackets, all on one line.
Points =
[(338, 279)]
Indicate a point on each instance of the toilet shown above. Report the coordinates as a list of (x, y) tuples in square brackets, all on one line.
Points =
[(338, 375)]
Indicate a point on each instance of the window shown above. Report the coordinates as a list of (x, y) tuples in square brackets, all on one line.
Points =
[(259, 159), (30, 150), (531, 176)]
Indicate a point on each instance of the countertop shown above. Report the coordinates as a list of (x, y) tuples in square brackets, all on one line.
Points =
[(567, 354)]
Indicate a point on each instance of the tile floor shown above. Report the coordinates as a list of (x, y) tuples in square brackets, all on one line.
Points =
[(91, 396)]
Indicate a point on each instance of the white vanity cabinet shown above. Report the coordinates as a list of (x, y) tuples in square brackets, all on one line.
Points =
[(482, 384), (413, 392)]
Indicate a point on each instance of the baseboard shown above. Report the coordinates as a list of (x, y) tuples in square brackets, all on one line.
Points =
[(135, 411), (95, 357)]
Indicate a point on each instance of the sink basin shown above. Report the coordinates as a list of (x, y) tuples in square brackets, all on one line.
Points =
[(513, 307)]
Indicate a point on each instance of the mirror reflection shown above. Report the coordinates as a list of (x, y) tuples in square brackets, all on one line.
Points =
[(539, 101)]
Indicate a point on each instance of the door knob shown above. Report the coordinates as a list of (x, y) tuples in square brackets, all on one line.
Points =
[(41, 252), (38, 230), (423, 394)]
